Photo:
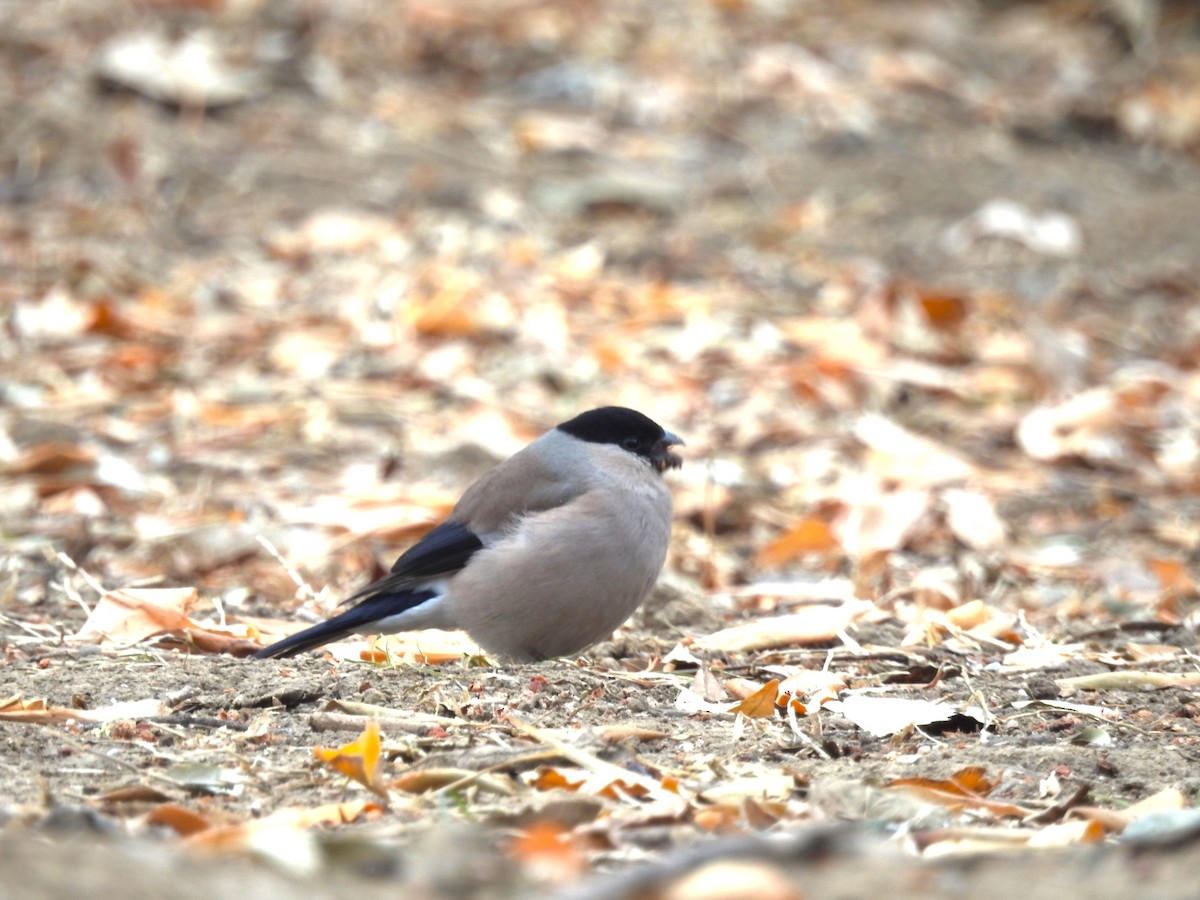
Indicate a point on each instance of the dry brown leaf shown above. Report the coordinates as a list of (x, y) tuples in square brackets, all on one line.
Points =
[(234, 838), (909, 459), (1081, 426), (1152, 652), (813, 625), (816, 686), (973, 519), (597, 784), (707, 686), (431, 646), (761, 704), (617, 734), (966, 789), (732, 879), (394, 514), (811, 535), (448, 306), (878, 521), (135, 614), (1067, 834), (1128, 680), (1111, 820), (16, 709), (420, 781), (1174, 575), (1167, 799), (718, 817), (134, 793), (944, 311), (53, 459), (778, 786), (604, 774), (547, 854), (550, 778), (883, 716), (181, 820), (971, 781)]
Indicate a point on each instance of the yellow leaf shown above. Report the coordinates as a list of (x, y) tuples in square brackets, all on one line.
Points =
[(358, 760)]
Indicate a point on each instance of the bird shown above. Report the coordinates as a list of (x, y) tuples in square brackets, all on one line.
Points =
[(546, 554)]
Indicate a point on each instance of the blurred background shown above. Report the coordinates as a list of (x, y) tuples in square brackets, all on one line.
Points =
[(916, 280)]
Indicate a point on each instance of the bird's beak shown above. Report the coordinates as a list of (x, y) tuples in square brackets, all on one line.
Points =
[(663, 458)]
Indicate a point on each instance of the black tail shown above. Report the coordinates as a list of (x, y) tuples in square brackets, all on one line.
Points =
[(356, 620)]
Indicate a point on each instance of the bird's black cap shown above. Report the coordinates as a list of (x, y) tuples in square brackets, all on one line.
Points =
[(628, 429)]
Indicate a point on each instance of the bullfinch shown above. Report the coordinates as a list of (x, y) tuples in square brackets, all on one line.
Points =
[(544, 555)]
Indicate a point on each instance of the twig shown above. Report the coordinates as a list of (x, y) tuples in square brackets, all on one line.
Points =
[(593, 764), (535, 756), (292, 573), (73, 594)]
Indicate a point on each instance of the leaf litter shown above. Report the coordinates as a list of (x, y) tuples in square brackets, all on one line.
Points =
[(932, 566)]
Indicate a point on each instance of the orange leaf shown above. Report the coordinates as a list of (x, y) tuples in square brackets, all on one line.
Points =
[(787, 699), (335, 813), (358, 760), (945, 312), (549, 778), (968, 782), (760, 704), (547, 852), (418, 781), (238, 837), (18, 709), (966, 788), (184, 822), (810, 536), (1173, 575), (721, 817)]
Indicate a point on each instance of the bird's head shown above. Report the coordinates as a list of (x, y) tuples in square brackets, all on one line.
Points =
[(629, 430)]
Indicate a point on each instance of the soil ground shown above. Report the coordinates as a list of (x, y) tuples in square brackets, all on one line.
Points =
[(109, 194)]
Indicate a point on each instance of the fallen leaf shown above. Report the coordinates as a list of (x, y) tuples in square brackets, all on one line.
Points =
[(811, 535), (966, 789), (908, 458), (813, 625), (761, 704), (1128, 680), (184, 822), (973, 519), (883, 716), (618, 734), (547, 854), (16, 709), (728, 879), (359, 760)]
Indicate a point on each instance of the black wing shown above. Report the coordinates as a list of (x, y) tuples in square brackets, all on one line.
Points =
[(442, 552), (353, 621)]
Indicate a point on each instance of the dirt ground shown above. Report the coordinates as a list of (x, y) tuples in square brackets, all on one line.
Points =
[(742, 157)]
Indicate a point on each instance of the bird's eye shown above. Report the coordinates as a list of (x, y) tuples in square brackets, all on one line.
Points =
[(630, 443)]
